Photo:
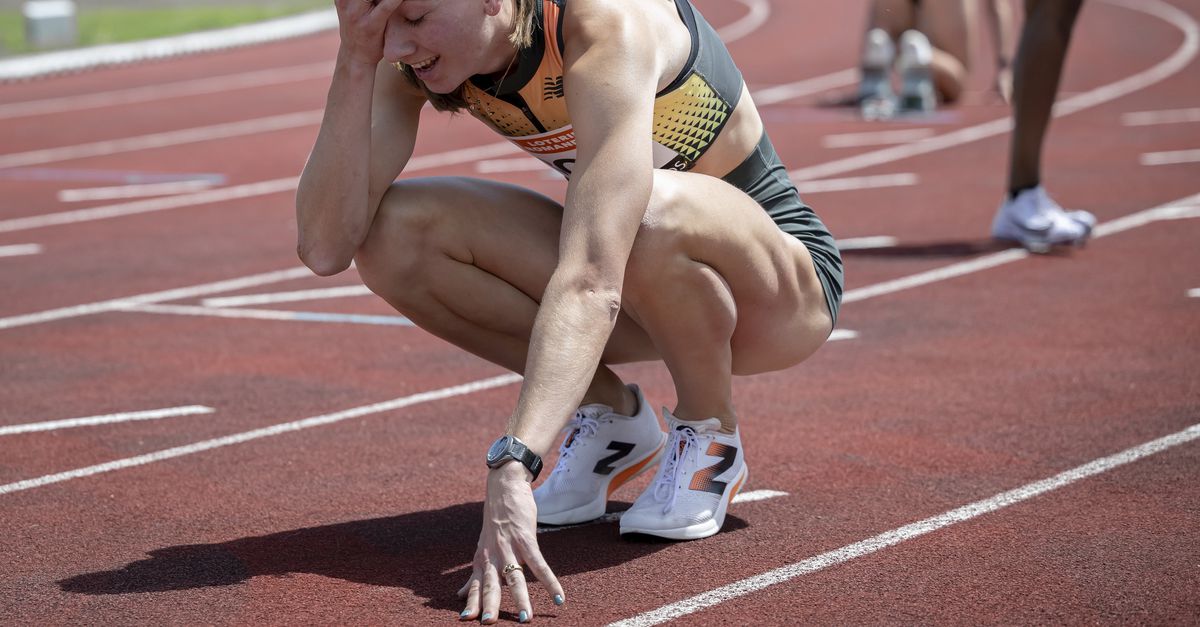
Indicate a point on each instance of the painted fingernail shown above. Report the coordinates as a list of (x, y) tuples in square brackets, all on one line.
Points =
[(523, 617), (485, 618), (465, 613), (558, 600)]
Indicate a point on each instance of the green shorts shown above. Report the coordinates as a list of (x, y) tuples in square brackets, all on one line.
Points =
[(764, 178)]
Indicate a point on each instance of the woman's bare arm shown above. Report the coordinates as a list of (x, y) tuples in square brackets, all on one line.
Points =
[(612, 68), (365, 140)]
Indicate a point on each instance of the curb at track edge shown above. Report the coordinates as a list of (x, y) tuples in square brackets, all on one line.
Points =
[(80, 59)]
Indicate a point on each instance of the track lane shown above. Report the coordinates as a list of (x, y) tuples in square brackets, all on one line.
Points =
[(320, 586)]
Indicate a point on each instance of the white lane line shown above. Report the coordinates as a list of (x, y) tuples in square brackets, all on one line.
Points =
[(115, 54), (208, 196), (316, 316), (162, 140), (116, 177), (807, 87), (1171, 116), (306, 118), (907, 532), (876, 138), (424, 162), (1180, 58), (1177, 209), (287, 297), (248, 190), (118, 304), (1170, 157), (857, 182), (866, 243), (935, 275), (610, 517), (757, 495), (1137, 82), (133, 191), (1173, 210), (291, 26), (278, 429), (760, 11), (525, 164), (18, 250), (1178, 61), (270, 314), (842, 334), (195, 87), (1182, 209), (1194, 293), (107, 419), (516, 164)]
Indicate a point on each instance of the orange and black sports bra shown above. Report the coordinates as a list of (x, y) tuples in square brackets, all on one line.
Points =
[(530, 109)]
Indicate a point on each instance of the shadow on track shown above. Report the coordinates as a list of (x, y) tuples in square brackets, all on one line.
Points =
[(426, 552)]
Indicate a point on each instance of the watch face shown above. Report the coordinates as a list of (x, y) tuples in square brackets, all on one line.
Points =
[(498, 449)]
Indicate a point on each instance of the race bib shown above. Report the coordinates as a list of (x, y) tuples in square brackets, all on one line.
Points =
[(557, 149)]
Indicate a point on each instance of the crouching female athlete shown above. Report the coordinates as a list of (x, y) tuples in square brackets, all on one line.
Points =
[(681, 240)]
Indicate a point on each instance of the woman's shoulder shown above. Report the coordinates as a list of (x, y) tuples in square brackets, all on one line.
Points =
[(649, 26)]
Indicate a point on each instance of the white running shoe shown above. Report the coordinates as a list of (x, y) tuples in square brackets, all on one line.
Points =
[(603, 450), (917, 94), (1038, 223), (876, 99), (702, 471)]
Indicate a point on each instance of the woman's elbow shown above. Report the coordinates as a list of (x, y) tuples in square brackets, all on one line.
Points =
[(323, 261)]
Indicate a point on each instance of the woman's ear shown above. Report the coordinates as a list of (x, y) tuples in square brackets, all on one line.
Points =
[(492, 7)]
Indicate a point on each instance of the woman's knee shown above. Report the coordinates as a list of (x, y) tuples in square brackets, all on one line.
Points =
[(407, 230)]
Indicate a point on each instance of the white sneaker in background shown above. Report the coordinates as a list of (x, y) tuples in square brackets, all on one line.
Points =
[(603, 450), (1038, 223), (875, 96), (701, 471), (915, 65)]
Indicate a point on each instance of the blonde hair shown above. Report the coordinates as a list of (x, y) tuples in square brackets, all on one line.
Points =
[(522, 37)]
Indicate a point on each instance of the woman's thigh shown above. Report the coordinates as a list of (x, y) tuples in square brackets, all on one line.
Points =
[(782, 315), (505, 230)]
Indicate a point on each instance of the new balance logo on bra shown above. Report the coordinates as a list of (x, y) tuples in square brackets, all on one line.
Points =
[(552, 88)]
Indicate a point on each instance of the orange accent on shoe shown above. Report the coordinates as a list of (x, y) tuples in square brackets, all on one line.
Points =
[(625, 475), (737, 488)]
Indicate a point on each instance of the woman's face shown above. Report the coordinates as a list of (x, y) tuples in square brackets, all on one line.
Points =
[(445, 42)]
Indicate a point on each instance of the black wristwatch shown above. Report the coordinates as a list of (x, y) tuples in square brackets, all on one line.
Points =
[(508, 448)]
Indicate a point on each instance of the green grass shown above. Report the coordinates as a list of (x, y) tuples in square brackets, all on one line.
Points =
[(106, 26)]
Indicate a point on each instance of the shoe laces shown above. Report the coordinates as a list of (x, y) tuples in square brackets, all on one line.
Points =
[(583, 425), (666, 485)]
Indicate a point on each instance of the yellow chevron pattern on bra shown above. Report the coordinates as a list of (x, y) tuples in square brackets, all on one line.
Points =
[(687, 119)]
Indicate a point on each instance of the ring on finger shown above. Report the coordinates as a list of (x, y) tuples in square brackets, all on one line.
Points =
[(509, 569)]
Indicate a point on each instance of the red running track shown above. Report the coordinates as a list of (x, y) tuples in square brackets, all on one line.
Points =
[(996, 371)]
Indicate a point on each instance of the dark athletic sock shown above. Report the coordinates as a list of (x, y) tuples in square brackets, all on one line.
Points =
[(1013, 193)]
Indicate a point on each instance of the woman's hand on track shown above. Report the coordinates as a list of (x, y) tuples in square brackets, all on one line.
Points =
[(509, 536)]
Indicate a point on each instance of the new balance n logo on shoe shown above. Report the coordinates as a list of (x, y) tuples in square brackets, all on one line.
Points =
[(704, 479), (552, 88), (605, 465)]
